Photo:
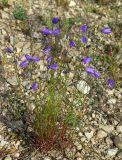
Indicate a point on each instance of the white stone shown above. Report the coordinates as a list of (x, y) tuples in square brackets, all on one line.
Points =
[(30, 11), (83, 139), (118, 142), (110, 92), (47, 158), (112, 152), (16, 154), (72, 4), (79, 158), (78, 154), (101, 134), (89, 135), (13, 80), (77, 129), (79, 147), (119, 129), (10, 2), (71, 75), (108, 141), (18, 50), (80, 134), (112, 101), (59, 157), (119, 154), (3, 143), (32, 107), (4, 15), (8, 158), (108, 128), (83, 87)]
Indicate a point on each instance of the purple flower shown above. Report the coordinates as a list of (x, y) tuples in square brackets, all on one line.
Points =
[(29, 57), (47, 50), (36, 59), (88, 46), (106, 30), (86, 60), (49, 59), (84, 40), (24, 64), (92, 71), (53, 66), (55, 20), (56, 32), (111, 83), (35, 86), (8, 50), (84, 28), (46, 31), (72, 43)]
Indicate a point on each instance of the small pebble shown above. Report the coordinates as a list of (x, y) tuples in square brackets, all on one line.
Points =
[(101, 134), (112, 152), (119, 154), (119, 129), (8, 158), (89, 135), (118, 142)]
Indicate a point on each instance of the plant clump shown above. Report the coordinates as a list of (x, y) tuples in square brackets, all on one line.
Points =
[(20, 13), (48, 86)]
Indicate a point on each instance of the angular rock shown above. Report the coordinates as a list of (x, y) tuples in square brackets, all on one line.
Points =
[(119, 154), (72, 3), (47, 158), (112, 152), (79, 147), (118, 142), (80, 134), (112, 101), (119, 128), (83, 87), (4, 15), (79, 158), (108, 141), (13, 80), (8, 158), (108, 128), (101, 134), (89, 135)]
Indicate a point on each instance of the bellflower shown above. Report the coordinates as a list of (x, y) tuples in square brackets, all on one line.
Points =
[(49, 59), (84, 28), (8, 50), (72, 44), (34, 86), (36, 59), (86, 60), (111, 83), (84, 40), (53, 66), (106, 30), (29, 57), (24, 64), (46, 31), (55, 20), (92, 71), (56, 32), (47, 50)]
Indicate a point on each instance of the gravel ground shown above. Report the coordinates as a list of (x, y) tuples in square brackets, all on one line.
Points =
[(100, 137)]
